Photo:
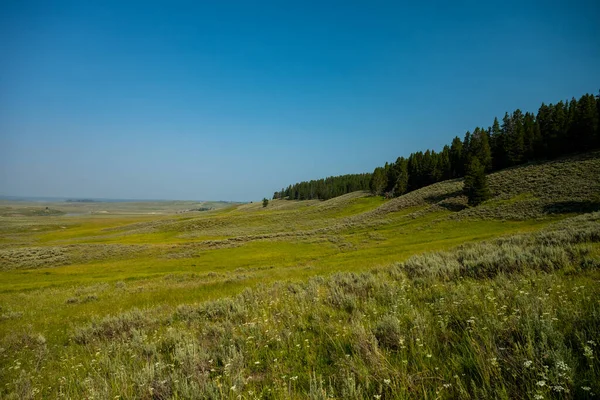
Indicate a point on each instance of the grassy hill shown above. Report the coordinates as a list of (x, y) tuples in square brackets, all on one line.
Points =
[(353, 297)]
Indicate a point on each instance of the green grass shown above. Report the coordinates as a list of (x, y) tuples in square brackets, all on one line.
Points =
[(475, 322), (61, 273)]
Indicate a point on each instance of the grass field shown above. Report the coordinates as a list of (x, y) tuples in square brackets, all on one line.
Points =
[(154, 301)]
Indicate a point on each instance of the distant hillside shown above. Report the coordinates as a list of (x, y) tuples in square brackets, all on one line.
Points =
[(529, 191), (532, 191), (556, 130)]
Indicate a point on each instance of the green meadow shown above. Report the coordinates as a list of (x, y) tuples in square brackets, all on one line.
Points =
[(353, 297)]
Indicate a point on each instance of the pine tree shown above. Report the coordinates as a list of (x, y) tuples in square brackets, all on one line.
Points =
[(444, 165), (476, 187), (466, 150), (587, 122), (378, 181), (480, 148), (529, 136), (516, 145), (401, 176), (265, 202), (497, 145), (456, 166)]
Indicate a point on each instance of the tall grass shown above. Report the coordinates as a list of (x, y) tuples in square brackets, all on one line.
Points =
[(517, 317)]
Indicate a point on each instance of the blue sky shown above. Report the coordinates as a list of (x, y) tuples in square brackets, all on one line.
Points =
[(233, 100)]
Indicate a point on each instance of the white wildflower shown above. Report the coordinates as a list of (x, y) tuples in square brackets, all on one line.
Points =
[(588, 352), (561, 365)]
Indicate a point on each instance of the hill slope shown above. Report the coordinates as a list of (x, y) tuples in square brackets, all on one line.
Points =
[(457, 302), (530, 191)]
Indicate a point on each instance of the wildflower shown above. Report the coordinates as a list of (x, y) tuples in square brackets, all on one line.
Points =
[(541, 383), (233, 388), (257, 362), (538, 397), (561, 365), (588, 352), (429, 355), (586, 388), (387, 381), (377, 396), (527, 363)]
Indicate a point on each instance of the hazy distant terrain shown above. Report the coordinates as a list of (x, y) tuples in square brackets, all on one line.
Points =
[(14, 207)]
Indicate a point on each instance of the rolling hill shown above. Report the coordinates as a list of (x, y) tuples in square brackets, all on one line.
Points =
[(419, 296)]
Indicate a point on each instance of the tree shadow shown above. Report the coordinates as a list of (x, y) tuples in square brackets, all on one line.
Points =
[(563, 207), (452, 206), (434, 199), (449, 201)]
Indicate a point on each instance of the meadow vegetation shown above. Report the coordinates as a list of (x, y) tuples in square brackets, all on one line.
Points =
[(357, 297)]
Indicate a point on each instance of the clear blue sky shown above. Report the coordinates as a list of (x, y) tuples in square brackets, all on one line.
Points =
[(233, 100)]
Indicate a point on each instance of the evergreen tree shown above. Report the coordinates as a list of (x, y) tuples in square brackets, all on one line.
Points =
[(415, 177), (456, 158), (557, 130), (378, 181), (587, 126), (497, 145), (515, 146), (391, 176), (529, 136), (466, 150), (265, 202), (480, 148), (444, 165), (401, 176), (475, 185)]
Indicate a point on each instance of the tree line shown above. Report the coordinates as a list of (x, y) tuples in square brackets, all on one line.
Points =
[(324, 189), (556, 130)]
